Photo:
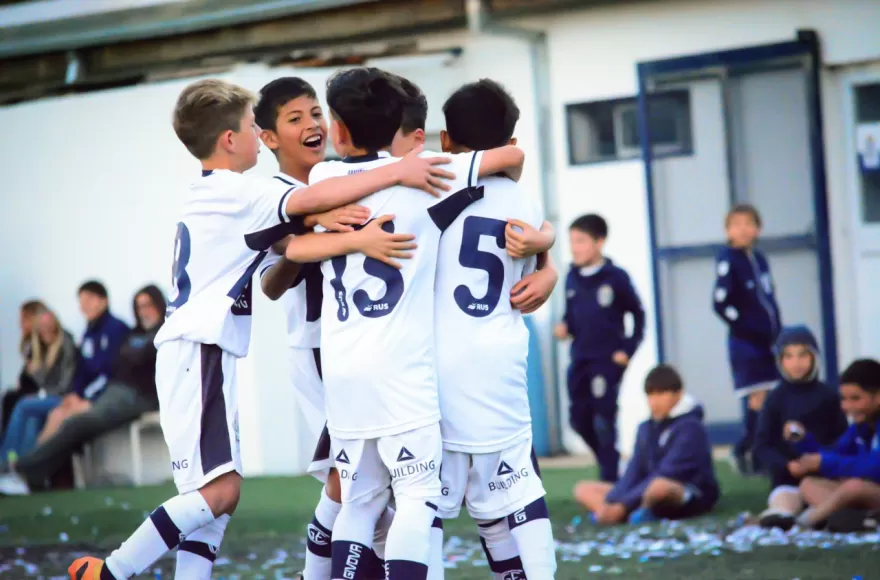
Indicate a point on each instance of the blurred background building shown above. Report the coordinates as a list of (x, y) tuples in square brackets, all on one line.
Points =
[(657, 114)]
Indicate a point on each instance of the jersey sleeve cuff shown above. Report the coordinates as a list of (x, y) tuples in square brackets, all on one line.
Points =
[(282, 206), (474, 170)]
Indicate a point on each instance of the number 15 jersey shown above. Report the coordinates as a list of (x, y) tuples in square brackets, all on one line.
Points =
[(377, 322), (482, 342)]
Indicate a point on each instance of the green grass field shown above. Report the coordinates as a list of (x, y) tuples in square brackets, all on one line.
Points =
[(39, 535)]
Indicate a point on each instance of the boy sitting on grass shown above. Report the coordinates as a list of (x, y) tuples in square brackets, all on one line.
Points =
[(670, 474), (846, 475)]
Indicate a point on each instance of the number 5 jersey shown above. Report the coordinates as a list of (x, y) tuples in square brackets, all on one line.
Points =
[(377, 322)]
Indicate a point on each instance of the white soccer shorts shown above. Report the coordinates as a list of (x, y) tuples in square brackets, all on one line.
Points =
[(494, 485), (198, 411), (408, 462), (305, 372)]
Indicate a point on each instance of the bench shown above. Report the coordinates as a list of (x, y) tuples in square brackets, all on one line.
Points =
[(84, 468)]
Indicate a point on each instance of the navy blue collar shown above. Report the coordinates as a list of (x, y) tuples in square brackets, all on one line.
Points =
[(207, 172), (365, 158)]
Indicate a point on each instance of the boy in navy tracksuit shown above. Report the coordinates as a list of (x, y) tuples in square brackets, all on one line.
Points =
[(847, 474), (744, 300), (670, 474), (800, 403), (598, 296)]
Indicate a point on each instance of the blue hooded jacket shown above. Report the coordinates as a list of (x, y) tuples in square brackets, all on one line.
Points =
[(808, 401), (856, 454), (595, 306), (98, 350), (676, 448)]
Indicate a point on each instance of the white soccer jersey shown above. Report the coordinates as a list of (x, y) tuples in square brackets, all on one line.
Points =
[(483, 343), (377, 322), (229, 220), (302, 302)]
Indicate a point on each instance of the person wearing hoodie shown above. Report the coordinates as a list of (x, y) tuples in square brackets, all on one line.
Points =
[(744, 299), (598, 296), (846, 475), (799, 404), (130, 392), (670, 474)]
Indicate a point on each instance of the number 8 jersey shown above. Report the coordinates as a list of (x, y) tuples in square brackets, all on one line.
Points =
[(482, 342), (229, 221), (377, 322)]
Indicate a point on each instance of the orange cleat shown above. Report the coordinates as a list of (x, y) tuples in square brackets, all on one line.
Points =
[(86, 568)]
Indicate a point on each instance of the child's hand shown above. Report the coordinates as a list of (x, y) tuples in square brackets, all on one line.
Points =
[(796, 470), (342, 218), (620, 358), (527, 240), (793, 431), (376, 243), (810, 462), (423, 173), (560, 331), (756, 400), (532, 292)]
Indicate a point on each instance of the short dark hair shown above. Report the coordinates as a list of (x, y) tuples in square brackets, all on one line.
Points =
[(415, 106), (864, 372), (275, 95), (592, 224), (481, 115), (663, 379), (746, 209), (93, 287), (369, 103)]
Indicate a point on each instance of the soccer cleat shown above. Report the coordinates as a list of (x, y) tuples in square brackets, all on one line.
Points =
[(89, 568), (776, 519)]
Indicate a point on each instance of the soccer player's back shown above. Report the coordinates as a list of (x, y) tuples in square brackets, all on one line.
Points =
[(486, 423)]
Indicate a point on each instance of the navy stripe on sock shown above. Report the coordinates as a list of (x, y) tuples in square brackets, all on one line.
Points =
[(437, 523), (167, 529), (534, 511), (350, 560), (375, 567), (202, 549), (319, 539), (512, 566), (406, 569), (490, 524)]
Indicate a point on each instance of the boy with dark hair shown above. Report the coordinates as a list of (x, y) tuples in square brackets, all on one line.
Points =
[(412, 124), (295, 130), (228, 222), (744, 300), (485, 419), (378, 329), (670, 474), (846, 475), (800, 403), (599, 295)]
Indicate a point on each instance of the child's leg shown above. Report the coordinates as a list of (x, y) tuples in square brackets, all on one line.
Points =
[(786, 499), (500, 549), (320, 530), (852, 493), (816, 490), (581, 407), (591, 494), (196, 554)]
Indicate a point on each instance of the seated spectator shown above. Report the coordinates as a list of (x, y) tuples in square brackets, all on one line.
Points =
[(50, 369), (130, 392), (670, 474), (104, 334), (847, 475), (800, 403), (28, 314)]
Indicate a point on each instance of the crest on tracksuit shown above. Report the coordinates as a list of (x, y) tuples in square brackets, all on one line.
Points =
[(599, 386), (605, 295)]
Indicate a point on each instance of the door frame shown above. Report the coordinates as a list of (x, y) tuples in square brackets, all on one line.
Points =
[(806, 45)]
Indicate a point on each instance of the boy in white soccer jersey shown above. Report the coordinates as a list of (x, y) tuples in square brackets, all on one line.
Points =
[(485, 420), (295, 130), (229, 221), (377, 330)]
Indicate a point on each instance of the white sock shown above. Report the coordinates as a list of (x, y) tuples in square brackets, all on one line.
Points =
[(533, 535), (500, 549), (167, 526), (318, 561), (196, 554), (353, 533), (409, 540), (436, 568)]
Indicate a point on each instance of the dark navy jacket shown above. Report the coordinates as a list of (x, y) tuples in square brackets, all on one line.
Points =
[(808, 401), (856, 454), (676, 448), (744, 300), (98, 349), (594, 312)]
